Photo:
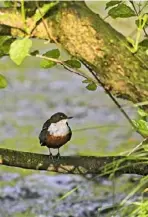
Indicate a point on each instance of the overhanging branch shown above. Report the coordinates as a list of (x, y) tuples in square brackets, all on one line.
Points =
[(89, 38), (103, 166)]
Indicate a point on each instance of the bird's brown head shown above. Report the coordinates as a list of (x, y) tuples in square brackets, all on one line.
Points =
[(58, 117)]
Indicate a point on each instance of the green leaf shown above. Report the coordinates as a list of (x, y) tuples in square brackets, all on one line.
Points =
[(5, 42), (3, 81), (111, 3), (55, 53), (86, 81), (19, 49), (144, 43), (145, 20), (142, 113), (34, 53), (137, 22), (142, 127), (122, 11), (3, 39), (47, 64), (68, 193), (43, 10), (9, 4), (91, 86), (145, 145), (142, 21), (73, 63)]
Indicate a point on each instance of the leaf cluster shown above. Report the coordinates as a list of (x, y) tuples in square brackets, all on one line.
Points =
[(127, 9), (141, 123)]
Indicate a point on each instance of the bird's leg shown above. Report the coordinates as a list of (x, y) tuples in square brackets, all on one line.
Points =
[(58, 154), (50, 154)]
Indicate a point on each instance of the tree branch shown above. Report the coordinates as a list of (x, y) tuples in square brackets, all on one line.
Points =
[(89, 38), (103, 166), (63, 64)]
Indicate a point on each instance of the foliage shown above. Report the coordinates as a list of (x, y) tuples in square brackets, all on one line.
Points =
[(142, 127), (3, 81), (136, 208), (144, 43), (142, 113), (112, 3), (19, 49), (55, 53), (5, 42), (41, 11), (122, 11), (90, 85), (141, 124), (129, 9), (73, 63)]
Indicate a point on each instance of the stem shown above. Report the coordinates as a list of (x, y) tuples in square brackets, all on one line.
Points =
[(23, 11), (138, 13), (111, 96), (63, 64)]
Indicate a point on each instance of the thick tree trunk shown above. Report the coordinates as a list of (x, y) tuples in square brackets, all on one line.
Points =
[(87, 37)]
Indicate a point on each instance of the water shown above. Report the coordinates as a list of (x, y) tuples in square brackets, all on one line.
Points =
[(32, 96)]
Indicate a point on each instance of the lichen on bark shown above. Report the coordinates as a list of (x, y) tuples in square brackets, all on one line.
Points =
[(86, 36)]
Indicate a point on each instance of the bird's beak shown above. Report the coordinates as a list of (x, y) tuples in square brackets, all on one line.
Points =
[(70, 117)]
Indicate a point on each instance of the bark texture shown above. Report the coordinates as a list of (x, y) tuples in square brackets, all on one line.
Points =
[(86, 36), (103, 166)]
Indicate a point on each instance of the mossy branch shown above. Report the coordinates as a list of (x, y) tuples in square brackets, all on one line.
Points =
[(87, 37), (103, 166)]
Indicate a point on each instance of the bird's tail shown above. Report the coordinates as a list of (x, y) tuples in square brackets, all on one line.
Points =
[(42, 144)]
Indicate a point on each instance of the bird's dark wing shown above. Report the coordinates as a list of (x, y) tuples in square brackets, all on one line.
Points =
[(42, 137), (46, 124), (43, 133)]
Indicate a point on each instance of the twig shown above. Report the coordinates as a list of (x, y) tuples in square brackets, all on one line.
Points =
[(145, 5), (110, 95), (45, 25), (137, 147), (97, 127), (132, 3), (63, 64)]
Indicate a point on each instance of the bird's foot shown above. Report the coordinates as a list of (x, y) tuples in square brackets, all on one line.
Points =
[(50, 156), (58, 156)]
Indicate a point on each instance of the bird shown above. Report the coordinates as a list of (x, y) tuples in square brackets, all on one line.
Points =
[(55, 132)]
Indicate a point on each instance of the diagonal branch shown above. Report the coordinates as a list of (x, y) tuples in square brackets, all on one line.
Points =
[(111, 96), (103, 166), (62, 64), (86, 36)]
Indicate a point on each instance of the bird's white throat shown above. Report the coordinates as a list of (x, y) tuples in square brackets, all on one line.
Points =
[(59, 129)]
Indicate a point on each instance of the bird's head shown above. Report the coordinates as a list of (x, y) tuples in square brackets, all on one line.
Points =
[(59, 116)]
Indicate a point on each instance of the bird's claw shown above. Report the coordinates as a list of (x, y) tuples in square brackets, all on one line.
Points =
[(58, 156), (50, 156)]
